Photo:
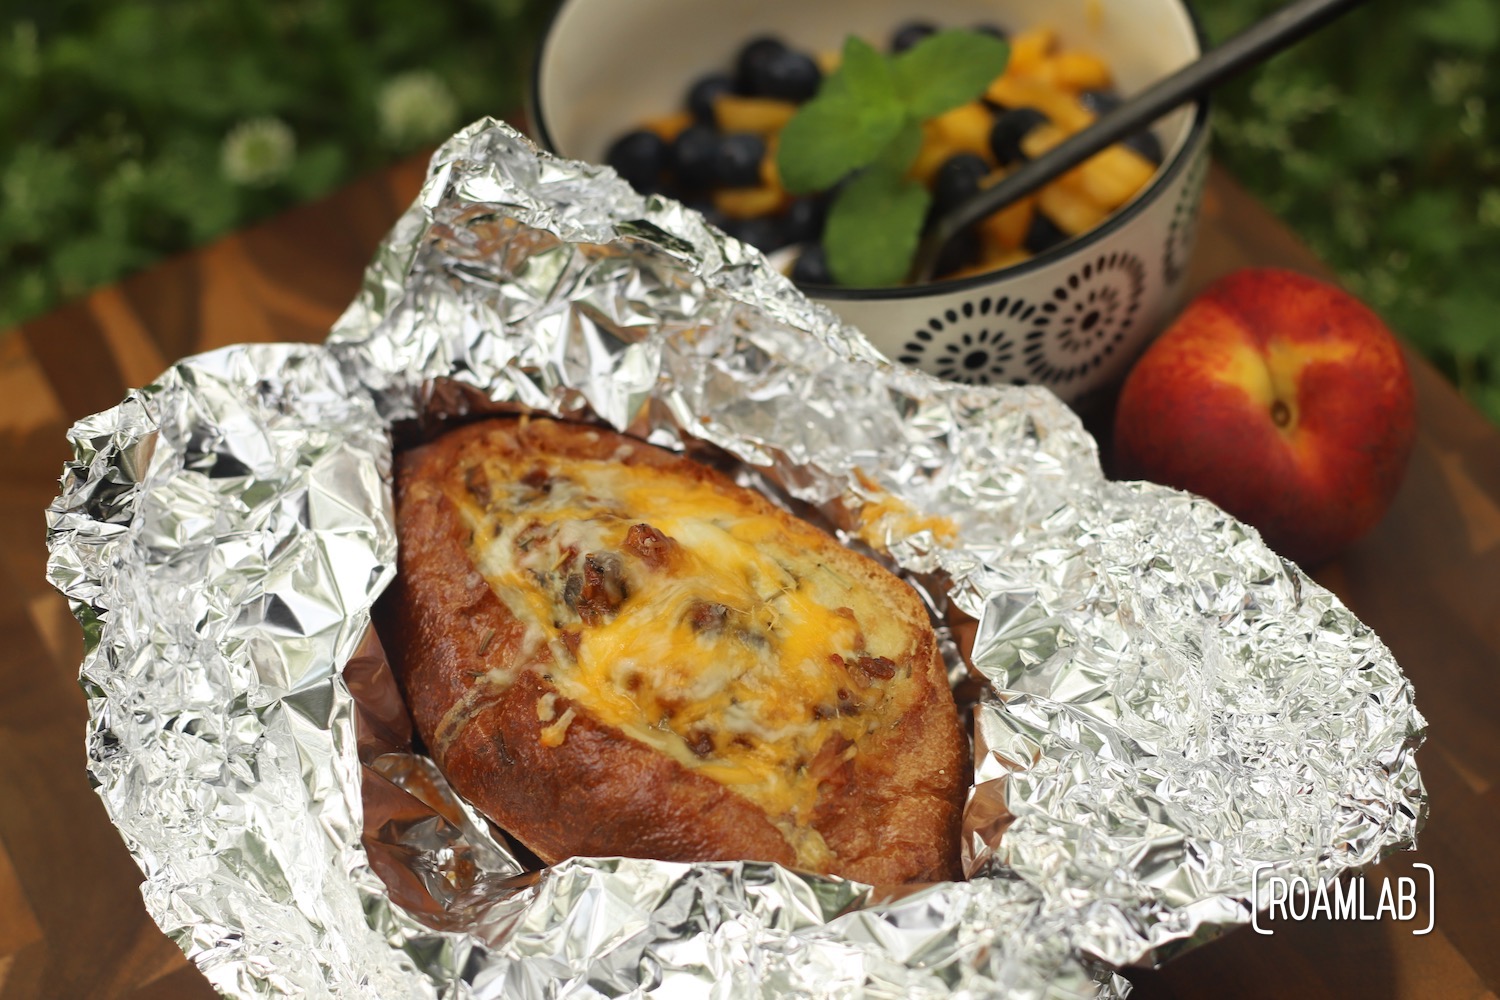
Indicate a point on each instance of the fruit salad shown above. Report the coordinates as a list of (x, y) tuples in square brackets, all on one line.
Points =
[(718, 152)]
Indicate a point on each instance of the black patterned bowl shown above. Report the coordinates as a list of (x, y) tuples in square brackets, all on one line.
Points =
[(1072, 318)]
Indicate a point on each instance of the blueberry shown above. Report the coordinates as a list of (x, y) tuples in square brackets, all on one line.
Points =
[(962, 251), (1009, 129), (700, 99), (764, 234), (812, 266), (1042, 234), (786, 75), (751, 58), (738, 162), (695, 157), (639, 157), (804, 219), (957, 179), (1100, 102), (910, 34), (991, 29), (1145, 143)]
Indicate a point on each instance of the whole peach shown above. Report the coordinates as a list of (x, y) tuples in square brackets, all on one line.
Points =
[(1282, 399)]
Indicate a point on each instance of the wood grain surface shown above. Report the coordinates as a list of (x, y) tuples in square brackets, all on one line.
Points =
[(71, 919)]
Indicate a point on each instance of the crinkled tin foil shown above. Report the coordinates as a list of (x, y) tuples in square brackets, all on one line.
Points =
[(1169, 705)]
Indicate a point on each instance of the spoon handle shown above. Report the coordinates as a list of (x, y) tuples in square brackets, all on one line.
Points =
[(1252, 46)]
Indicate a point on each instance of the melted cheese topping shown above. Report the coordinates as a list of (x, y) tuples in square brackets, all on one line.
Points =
[(722, 640)]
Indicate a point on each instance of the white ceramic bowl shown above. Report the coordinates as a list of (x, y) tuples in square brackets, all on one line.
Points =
[(1072, 318)]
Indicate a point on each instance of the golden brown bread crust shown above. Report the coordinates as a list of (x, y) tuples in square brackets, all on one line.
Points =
[(887, 810)]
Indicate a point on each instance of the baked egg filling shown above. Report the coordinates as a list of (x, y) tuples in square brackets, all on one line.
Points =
[(709, 632)]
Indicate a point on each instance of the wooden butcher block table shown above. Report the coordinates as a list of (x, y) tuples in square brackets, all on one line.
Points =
[(71, 919)]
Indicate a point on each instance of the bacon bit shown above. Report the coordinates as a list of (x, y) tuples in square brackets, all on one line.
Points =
[(867, 669), (571, 638), (530, 535), (832, 766), (859, 633), (701, 743), (572, 590), (706, 616), (875, 667), (847, 704), (538, 479), (655, 548), (597, 593), (478, 485)]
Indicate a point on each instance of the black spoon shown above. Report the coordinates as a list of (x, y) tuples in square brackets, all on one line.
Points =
[(1250, 47)]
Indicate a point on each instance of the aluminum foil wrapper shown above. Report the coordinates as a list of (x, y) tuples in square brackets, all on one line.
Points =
[(1166, 704)]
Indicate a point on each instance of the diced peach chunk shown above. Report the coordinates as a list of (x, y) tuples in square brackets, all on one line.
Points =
[(1073, 212), (1074, 70), (1112, 176), (1040, 139), (1063, 108), (966, 129), (967, 272), (934, 153), (1029, 50), (669, 127), (990, 262), (761, 115), (770, 173), (1006, 259), (1006, 229), (748, 203)]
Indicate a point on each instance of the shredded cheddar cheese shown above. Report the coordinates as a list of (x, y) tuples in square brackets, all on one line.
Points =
[(690, 625)]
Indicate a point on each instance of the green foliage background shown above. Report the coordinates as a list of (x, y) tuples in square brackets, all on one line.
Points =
[(1377, 141), (115, 114), (123, 136)]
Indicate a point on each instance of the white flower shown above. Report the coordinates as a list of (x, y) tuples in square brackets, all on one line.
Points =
[(258, 152), (415, 107)]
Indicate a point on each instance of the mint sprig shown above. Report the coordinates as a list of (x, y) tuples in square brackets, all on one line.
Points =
[(866, 120), (873, 227), (947, 69), (855, 115)]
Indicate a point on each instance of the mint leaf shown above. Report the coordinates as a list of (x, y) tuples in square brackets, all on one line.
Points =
[(868, 114), (855, 115), (947, 69), (864, 74), (829, 137), (902, 150), (873, 227)]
